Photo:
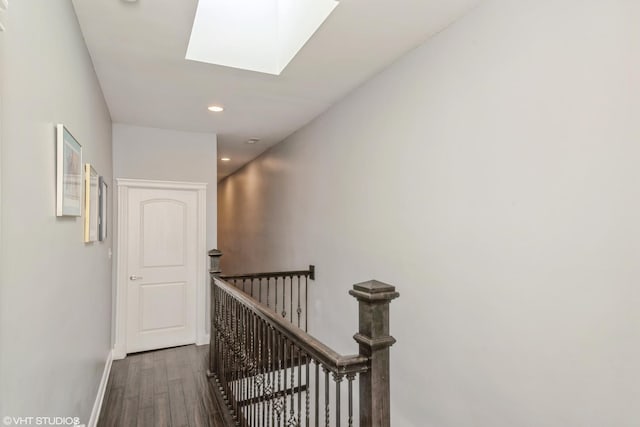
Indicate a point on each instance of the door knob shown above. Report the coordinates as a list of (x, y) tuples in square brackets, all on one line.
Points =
[(134, 277)]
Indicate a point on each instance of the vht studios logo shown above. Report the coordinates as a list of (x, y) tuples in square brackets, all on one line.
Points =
[(42, 421)]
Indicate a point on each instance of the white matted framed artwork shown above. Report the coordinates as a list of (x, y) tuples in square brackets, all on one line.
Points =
[(68, 173)]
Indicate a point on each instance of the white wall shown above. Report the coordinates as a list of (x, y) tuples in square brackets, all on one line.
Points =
[(55, 291), (492, 176), (169, 155), (2, 77)]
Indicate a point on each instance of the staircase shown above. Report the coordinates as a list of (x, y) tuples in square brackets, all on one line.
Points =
[(269, 371)]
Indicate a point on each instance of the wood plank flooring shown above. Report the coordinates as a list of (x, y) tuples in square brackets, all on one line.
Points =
[(161, 388)]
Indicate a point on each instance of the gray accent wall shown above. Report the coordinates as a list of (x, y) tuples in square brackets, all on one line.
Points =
[(492, 176), (55, 290)]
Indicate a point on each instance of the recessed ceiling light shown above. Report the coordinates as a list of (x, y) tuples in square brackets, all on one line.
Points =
[(252, 140), (225, 159), (215, 108)]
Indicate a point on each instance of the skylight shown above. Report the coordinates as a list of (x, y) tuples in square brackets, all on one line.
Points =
[(256, 35)]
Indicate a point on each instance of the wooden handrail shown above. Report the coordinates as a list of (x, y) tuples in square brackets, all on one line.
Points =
[(333, 361)]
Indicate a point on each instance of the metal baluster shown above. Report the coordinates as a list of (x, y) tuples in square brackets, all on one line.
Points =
[(306, 394), (248, 376), (268, 287), (317, 394), (273, 375), (291, 299), (235, 355), (292, 419), (299, 388), (228, 351), (276, 292), (338, 379), (262, 351), (277, 402), (284, 295), (236, 360), (254, 372), (218, 363), (240, 361), (257, 392), (267, 373), (233, 332), (306, 305), (326, 396), (246, 369), (299, 310), (246, 365), (219, 343), (260, 290), (239, 364), (284, 388), (252, 367), (218, 312), (225, 348)]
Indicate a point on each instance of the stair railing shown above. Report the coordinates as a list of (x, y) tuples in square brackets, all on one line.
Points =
[(269, 372), (286, 292)]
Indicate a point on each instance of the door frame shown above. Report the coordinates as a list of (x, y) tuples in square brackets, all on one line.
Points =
[(123, 184)]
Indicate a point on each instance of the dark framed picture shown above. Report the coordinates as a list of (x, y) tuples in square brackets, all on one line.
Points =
[(102, 218)]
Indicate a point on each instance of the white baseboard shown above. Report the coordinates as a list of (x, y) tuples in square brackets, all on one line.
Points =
[(204, 340), (119, 352), (97, 405)]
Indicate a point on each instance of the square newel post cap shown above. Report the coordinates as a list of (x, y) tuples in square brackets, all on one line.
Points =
[(214, 255), (374, 291)]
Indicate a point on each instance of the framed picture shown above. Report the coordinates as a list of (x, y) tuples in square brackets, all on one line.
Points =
[(102, 218), (90, 204), (68, 174)]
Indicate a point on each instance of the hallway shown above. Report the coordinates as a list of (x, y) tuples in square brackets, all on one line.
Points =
[(161, 388)]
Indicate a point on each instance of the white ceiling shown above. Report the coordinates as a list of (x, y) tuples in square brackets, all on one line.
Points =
[(138, 50)]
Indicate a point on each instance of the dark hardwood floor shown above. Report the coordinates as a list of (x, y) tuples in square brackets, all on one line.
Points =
[(161, 388)]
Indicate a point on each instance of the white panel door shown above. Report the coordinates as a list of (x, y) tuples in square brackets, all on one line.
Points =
[(161, 261)]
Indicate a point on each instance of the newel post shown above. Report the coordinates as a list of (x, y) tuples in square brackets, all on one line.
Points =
[(214, 270), (374, 340)]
